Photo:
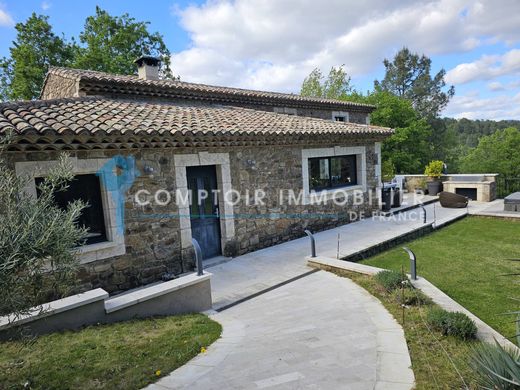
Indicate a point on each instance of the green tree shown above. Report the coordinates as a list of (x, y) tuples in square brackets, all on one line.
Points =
[(445, 144), (408, 149), (35, 49), (37, 239), (496, 153), (335, 86), (112, 43), (408, 76)]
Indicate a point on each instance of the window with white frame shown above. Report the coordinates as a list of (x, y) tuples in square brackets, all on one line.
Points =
[(340, 116), (329, 172), (106, 237)]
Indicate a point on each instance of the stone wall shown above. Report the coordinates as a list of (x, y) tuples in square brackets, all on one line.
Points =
[(59, 87), (152, 233), (281, 169)]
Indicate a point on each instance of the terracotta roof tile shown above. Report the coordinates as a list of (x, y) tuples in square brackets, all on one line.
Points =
[(93, 81), (129, 116)]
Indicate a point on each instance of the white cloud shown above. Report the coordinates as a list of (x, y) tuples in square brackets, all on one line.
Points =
[(496, 86), (273, 44), (472, 106), (485, 68), (6, 20), (46, 5)]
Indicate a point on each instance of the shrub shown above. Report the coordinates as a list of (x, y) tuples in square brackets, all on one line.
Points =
[(496, 367), (387, 170), (434, 169), (37, 239), (410, 297), (452, 324), (390, 280)]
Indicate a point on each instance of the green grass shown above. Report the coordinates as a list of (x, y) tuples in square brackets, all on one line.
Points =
[(438, 362), (466, 260), (125, 355)]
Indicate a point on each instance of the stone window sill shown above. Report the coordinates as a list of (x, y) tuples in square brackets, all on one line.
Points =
[(100, 251)]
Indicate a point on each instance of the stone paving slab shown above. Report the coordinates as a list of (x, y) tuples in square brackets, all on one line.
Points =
[(256, 271), (319, 332), (485, 332)]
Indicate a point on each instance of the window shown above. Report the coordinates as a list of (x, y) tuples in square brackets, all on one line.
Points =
[(88, 189), (339, 119), (332, 172)]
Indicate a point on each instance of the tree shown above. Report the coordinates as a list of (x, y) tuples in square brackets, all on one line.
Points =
[(408, 76), (35, 49), (408, 147), (112, 43), (496, 153), (335, 86), (445, 144), (37, 240)]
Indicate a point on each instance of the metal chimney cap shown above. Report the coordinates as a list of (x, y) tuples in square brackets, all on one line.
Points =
[(147, 60)]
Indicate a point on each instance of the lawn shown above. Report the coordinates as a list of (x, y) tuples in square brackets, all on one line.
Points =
[(126, 355), (438, 362), (467, 260)]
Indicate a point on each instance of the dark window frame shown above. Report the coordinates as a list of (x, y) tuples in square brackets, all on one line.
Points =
[(91, 193), (352, 158), (340, 118)]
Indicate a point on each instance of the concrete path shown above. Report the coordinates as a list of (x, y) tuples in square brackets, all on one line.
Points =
[(494, 209), (319, 332), (256, 271)]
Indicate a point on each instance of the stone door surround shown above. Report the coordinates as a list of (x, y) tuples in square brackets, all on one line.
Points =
[(222, 164)]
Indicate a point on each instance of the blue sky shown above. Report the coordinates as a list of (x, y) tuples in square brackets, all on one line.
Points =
[(274, 44)]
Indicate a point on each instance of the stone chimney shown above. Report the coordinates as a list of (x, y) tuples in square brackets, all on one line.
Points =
[(148, 67)]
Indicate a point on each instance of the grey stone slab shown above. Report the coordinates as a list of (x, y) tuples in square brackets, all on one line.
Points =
[(318, 335)]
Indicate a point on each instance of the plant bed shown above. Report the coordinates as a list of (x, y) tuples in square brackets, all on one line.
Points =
[(126, 355), (438, 362), (469, 260)]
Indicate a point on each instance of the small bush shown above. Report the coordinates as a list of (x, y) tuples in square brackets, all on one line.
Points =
[(390, 280), (410, 297), (452, 324)]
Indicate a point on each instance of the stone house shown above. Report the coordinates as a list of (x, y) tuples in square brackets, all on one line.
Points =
[(171, 137)]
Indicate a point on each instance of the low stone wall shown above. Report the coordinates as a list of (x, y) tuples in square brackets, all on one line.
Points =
[(188, 294)]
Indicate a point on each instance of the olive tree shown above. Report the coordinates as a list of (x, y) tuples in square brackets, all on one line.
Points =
[(38, 260)]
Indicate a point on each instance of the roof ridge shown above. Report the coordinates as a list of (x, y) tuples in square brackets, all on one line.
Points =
[(43, 102)]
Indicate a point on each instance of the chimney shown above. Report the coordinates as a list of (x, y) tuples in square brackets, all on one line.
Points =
[(148, 67)]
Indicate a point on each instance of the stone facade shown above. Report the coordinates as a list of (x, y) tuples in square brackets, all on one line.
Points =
[(167, 126), (152, 233)]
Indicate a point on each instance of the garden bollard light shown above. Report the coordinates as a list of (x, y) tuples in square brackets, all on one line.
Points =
[(413, 269), (198, 256), (313, 243)]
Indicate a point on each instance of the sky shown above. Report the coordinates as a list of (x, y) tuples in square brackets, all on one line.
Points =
[(273, 44)]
